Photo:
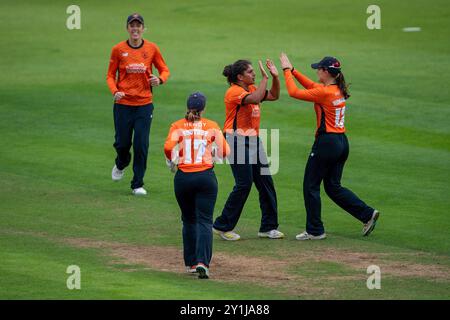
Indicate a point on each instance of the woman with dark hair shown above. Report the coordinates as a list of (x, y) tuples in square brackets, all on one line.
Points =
[(130, 79), (195, 181), (330, 149), (248, 160)]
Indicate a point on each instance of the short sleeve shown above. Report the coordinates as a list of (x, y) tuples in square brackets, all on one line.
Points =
[(236, 94)]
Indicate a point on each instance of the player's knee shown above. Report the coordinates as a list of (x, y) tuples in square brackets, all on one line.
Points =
[(205, 222), (189, 219), (243, 186), (122, 147), (309, 186), (140, 147), (331, 188)]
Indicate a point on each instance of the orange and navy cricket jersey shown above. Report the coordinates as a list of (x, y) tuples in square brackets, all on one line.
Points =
[(329, 103), (194, 141), (130, 69), (245, 120)]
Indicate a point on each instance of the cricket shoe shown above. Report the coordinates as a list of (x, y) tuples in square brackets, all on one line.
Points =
[(192, 269), (203, 271), (306, 236), (139, 192), (227, 235), (272, 234), (117, 174), (370, 225)]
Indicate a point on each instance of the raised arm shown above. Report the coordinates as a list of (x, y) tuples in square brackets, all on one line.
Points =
[(313, 95), (274, 92), (304, 80), (258, 95)]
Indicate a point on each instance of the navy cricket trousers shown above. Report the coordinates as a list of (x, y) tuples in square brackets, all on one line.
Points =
[(196, 194), (129, 120), (326, 162), (248, 162)]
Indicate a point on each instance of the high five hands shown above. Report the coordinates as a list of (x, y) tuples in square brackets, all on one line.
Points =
[(271, 66), (263, 71), (285, 63)]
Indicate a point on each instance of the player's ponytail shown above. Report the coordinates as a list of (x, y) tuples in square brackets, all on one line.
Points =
[(231, 71), (193, 115), (340, 81), (227, 72)]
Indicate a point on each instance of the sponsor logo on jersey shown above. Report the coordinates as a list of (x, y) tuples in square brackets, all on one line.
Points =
[(338, 101), (136, 68)]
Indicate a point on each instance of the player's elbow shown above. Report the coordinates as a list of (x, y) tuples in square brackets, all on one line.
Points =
[(292, 92), (110, 80), (275, 95), (167, 153), (168, 150)]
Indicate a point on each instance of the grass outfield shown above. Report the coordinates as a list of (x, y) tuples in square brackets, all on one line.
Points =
[(59, 207)]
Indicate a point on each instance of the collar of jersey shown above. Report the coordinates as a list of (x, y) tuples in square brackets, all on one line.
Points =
[(140, 46)]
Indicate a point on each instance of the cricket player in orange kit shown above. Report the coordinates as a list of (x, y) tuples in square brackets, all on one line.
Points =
[(330, 149), (130, 79), (195, 181), (248, 160)]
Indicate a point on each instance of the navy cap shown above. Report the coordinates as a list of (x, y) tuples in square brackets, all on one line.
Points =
[(135, 17), (331, 64), (196, 101)]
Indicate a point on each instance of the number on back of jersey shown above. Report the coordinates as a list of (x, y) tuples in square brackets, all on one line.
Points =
[(199, 148), (340, 116)]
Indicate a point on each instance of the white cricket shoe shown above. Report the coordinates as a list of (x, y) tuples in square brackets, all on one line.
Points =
[(192, 269), (139, 191), (272, 234), (117, 174), (227, 235), (306, 236), (203, 271), (370, 225)]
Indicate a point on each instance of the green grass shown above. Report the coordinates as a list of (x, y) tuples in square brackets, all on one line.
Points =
[(36, 269), (56, 133)]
